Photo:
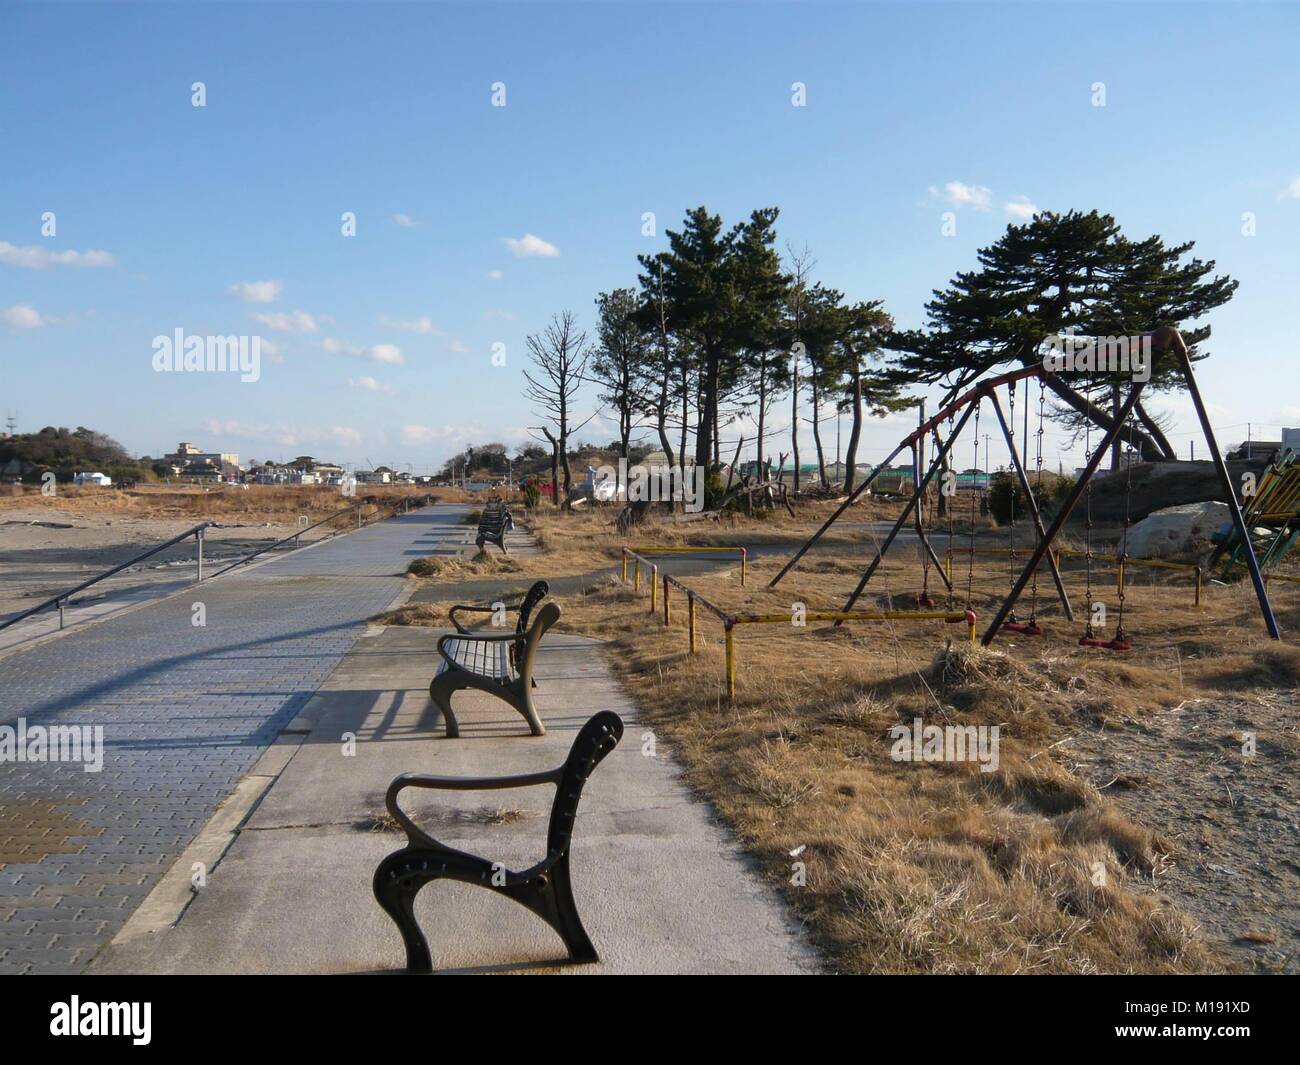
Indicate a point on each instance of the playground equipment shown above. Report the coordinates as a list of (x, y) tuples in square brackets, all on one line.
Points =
[(1163, 340), (1274, 508)]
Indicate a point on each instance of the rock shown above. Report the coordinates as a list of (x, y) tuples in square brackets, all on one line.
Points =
[(1177, 531)]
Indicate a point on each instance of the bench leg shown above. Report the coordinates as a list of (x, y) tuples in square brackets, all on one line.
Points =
[(395, 886), (520, 696), (564, 913), (440, 689)]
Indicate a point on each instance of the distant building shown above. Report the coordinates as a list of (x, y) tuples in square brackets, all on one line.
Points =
[(102, 480), (1257, 450), (188, 456), (382, 475)]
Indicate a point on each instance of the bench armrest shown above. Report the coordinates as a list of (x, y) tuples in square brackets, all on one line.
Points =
[(466, 608), (420, 780)]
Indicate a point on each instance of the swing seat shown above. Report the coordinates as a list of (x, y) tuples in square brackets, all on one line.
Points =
[(926, 602), (1110, 645), (1025, 628)]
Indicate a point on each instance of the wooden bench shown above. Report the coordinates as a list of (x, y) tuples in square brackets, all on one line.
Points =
[(493, 524), (501, 664), (544, 888)]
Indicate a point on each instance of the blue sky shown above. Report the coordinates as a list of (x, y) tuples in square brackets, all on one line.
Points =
[(381, 343)]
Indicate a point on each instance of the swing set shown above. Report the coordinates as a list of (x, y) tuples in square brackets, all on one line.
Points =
[(955, 415)]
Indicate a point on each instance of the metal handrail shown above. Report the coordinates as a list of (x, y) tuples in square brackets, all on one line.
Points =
[(196, 531)]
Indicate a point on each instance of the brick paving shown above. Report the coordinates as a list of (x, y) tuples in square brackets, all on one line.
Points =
[(186, 712)]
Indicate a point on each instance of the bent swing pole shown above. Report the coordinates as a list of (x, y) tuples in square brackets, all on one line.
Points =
[(1229, 493), (1063, 515), (907, 510), (838, 511), (1033, 506)]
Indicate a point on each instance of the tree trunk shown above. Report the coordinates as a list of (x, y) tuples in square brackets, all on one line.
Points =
[(1154, 431), (817, 434), (1098, 416), (855, 431), (762, 410), (794, 426), (555, 467), (707, 415)]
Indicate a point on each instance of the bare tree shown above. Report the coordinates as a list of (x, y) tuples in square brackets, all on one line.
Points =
[(560, 354)]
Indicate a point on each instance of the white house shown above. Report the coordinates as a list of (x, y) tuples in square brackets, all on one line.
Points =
[(100, 479)]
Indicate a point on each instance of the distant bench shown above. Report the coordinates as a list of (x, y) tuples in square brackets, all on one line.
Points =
[(498, 663), (493, 524)]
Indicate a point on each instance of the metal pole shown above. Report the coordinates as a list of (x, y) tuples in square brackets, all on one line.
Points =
[(654, 586), (1230, 497), (690, 620), (666, 615), (1197, 600), (744, 559), (838, 511), (1062, 516), (60, 615), (731, 662), (1033, 503), (199, 537), (907, 510)]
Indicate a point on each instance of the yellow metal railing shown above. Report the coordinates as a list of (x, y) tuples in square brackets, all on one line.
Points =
[(741, 552), (730, 622)]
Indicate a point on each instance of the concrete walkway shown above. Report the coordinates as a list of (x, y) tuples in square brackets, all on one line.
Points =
[(660, 886), (186, 711)]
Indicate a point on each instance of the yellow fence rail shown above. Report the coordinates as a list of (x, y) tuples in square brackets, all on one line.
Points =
[(740, 552), (730, 622)]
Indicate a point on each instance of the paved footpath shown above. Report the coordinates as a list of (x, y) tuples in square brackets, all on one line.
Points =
[(186, 711)]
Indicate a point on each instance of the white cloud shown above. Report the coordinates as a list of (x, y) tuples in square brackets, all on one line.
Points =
[(1291, 192), (369, 384), (1020, 207), (498, 315), (34, 257), (495, 275), (283, 435), (388, 353), (297, 322), (423, 324), (456, 347), (531, 247), (957, 194), (257, 291), (405, 221), (418, 434), (23, 316)]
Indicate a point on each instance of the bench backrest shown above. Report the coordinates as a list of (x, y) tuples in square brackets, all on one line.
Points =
[(536, 594), (524, 647), (595, 740)]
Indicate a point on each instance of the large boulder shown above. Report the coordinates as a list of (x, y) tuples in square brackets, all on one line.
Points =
[(1177, 532)]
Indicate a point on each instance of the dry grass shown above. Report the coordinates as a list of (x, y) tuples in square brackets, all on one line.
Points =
[(254, 505), (927, 867)]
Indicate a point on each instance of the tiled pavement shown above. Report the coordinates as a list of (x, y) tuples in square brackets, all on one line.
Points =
[(186, 712)]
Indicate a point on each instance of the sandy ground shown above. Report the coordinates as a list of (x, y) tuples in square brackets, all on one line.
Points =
[(44, 552), (1231, 816)]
